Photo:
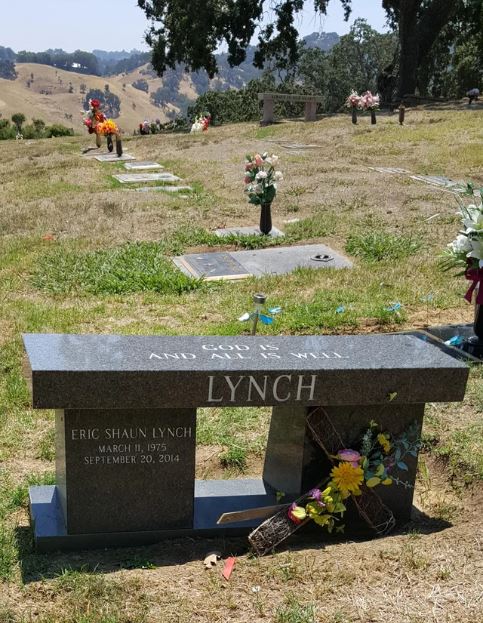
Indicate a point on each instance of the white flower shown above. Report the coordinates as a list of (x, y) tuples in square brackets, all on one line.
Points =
[(476, 248), (261, 175), (460, 245), (472, 216), (278, 176)]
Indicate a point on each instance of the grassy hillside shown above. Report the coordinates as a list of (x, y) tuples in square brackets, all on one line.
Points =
[(59, 104), (81, 254)]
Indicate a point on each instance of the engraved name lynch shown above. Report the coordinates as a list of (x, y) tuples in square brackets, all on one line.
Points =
[(234, 388)]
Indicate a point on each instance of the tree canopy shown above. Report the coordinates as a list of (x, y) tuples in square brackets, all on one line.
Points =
[(190, 32)]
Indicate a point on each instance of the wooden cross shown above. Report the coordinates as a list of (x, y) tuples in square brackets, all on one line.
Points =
[(369, 505)]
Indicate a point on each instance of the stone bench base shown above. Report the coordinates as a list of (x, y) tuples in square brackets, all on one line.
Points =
[(212, 498)]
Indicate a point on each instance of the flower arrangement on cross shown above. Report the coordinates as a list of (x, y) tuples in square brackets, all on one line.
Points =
[(356, 474), (372, 465)]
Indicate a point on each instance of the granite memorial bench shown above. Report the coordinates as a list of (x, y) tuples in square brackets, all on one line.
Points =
[(126, 423), (269, 99)]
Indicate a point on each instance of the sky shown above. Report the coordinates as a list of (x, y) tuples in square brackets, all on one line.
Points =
[(37, 25)]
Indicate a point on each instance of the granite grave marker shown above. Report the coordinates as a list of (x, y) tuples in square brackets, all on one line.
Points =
[(144, 165), (126, 423), (114, 158), (136, 178), (259, 262)]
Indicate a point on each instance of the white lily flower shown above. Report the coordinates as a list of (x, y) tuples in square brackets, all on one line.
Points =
[(461, 245)]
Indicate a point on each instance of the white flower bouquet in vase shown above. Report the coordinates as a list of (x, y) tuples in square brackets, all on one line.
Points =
[(261, 185), (466, 253)]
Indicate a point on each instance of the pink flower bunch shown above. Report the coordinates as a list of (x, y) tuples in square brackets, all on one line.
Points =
[(354, 100), (261, 178), (350, 456), (368, 101)]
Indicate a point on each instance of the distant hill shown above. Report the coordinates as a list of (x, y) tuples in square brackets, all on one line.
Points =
[(57, 94), (323, 40)]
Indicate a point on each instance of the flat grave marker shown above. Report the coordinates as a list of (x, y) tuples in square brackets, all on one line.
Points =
[(437, 181), (390, 170), (211, 266), (140, 165), (136, 178), (114, 157), (166, 189), (271, 261), (126, 424)]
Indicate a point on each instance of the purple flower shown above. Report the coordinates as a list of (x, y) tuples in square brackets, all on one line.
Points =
[(350, 456), (316, 494)]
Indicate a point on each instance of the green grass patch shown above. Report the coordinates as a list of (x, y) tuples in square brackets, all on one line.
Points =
[(316, 226), (381, 246), (463, 452), (241, 430), (295, 612), (11, 499), (266, 132), (132, 267), (46, 450), (234, 457)]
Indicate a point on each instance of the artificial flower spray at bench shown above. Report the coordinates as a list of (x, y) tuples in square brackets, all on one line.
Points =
[(261, 185), (375, 463), (381, 461)]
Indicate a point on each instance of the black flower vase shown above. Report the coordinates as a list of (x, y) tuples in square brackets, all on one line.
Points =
[(373, 117), (110, 145), (402, 111), (354, 116), (118, 146), (266, 218)]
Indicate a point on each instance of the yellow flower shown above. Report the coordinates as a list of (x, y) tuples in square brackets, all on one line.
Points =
[(107, 127), (347, 478), (384, 442)]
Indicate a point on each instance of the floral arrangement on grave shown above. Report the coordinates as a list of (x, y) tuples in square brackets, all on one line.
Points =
[(466, 254), (97, 123), (353, 102), (354, 471), (201, 124), (365, 102), (261, 180)]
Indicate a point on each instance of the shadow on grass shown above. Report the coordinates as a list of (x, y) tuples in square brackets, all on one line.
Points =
[(174, 552)]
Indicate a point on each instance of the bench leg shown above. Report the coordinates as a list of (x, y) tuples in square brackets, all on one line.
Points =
[(268, 112)]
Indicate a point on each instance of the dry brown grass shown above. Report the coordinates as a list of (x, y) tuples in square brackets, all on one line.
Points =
[(432, 573)]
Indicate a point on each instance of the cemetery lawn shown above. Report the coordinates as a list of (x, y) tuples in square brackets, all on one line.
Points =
[(80, 253)]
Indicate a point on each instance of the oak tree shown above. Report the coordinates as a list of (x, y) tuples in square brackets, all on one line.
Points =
[(190, 32)]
